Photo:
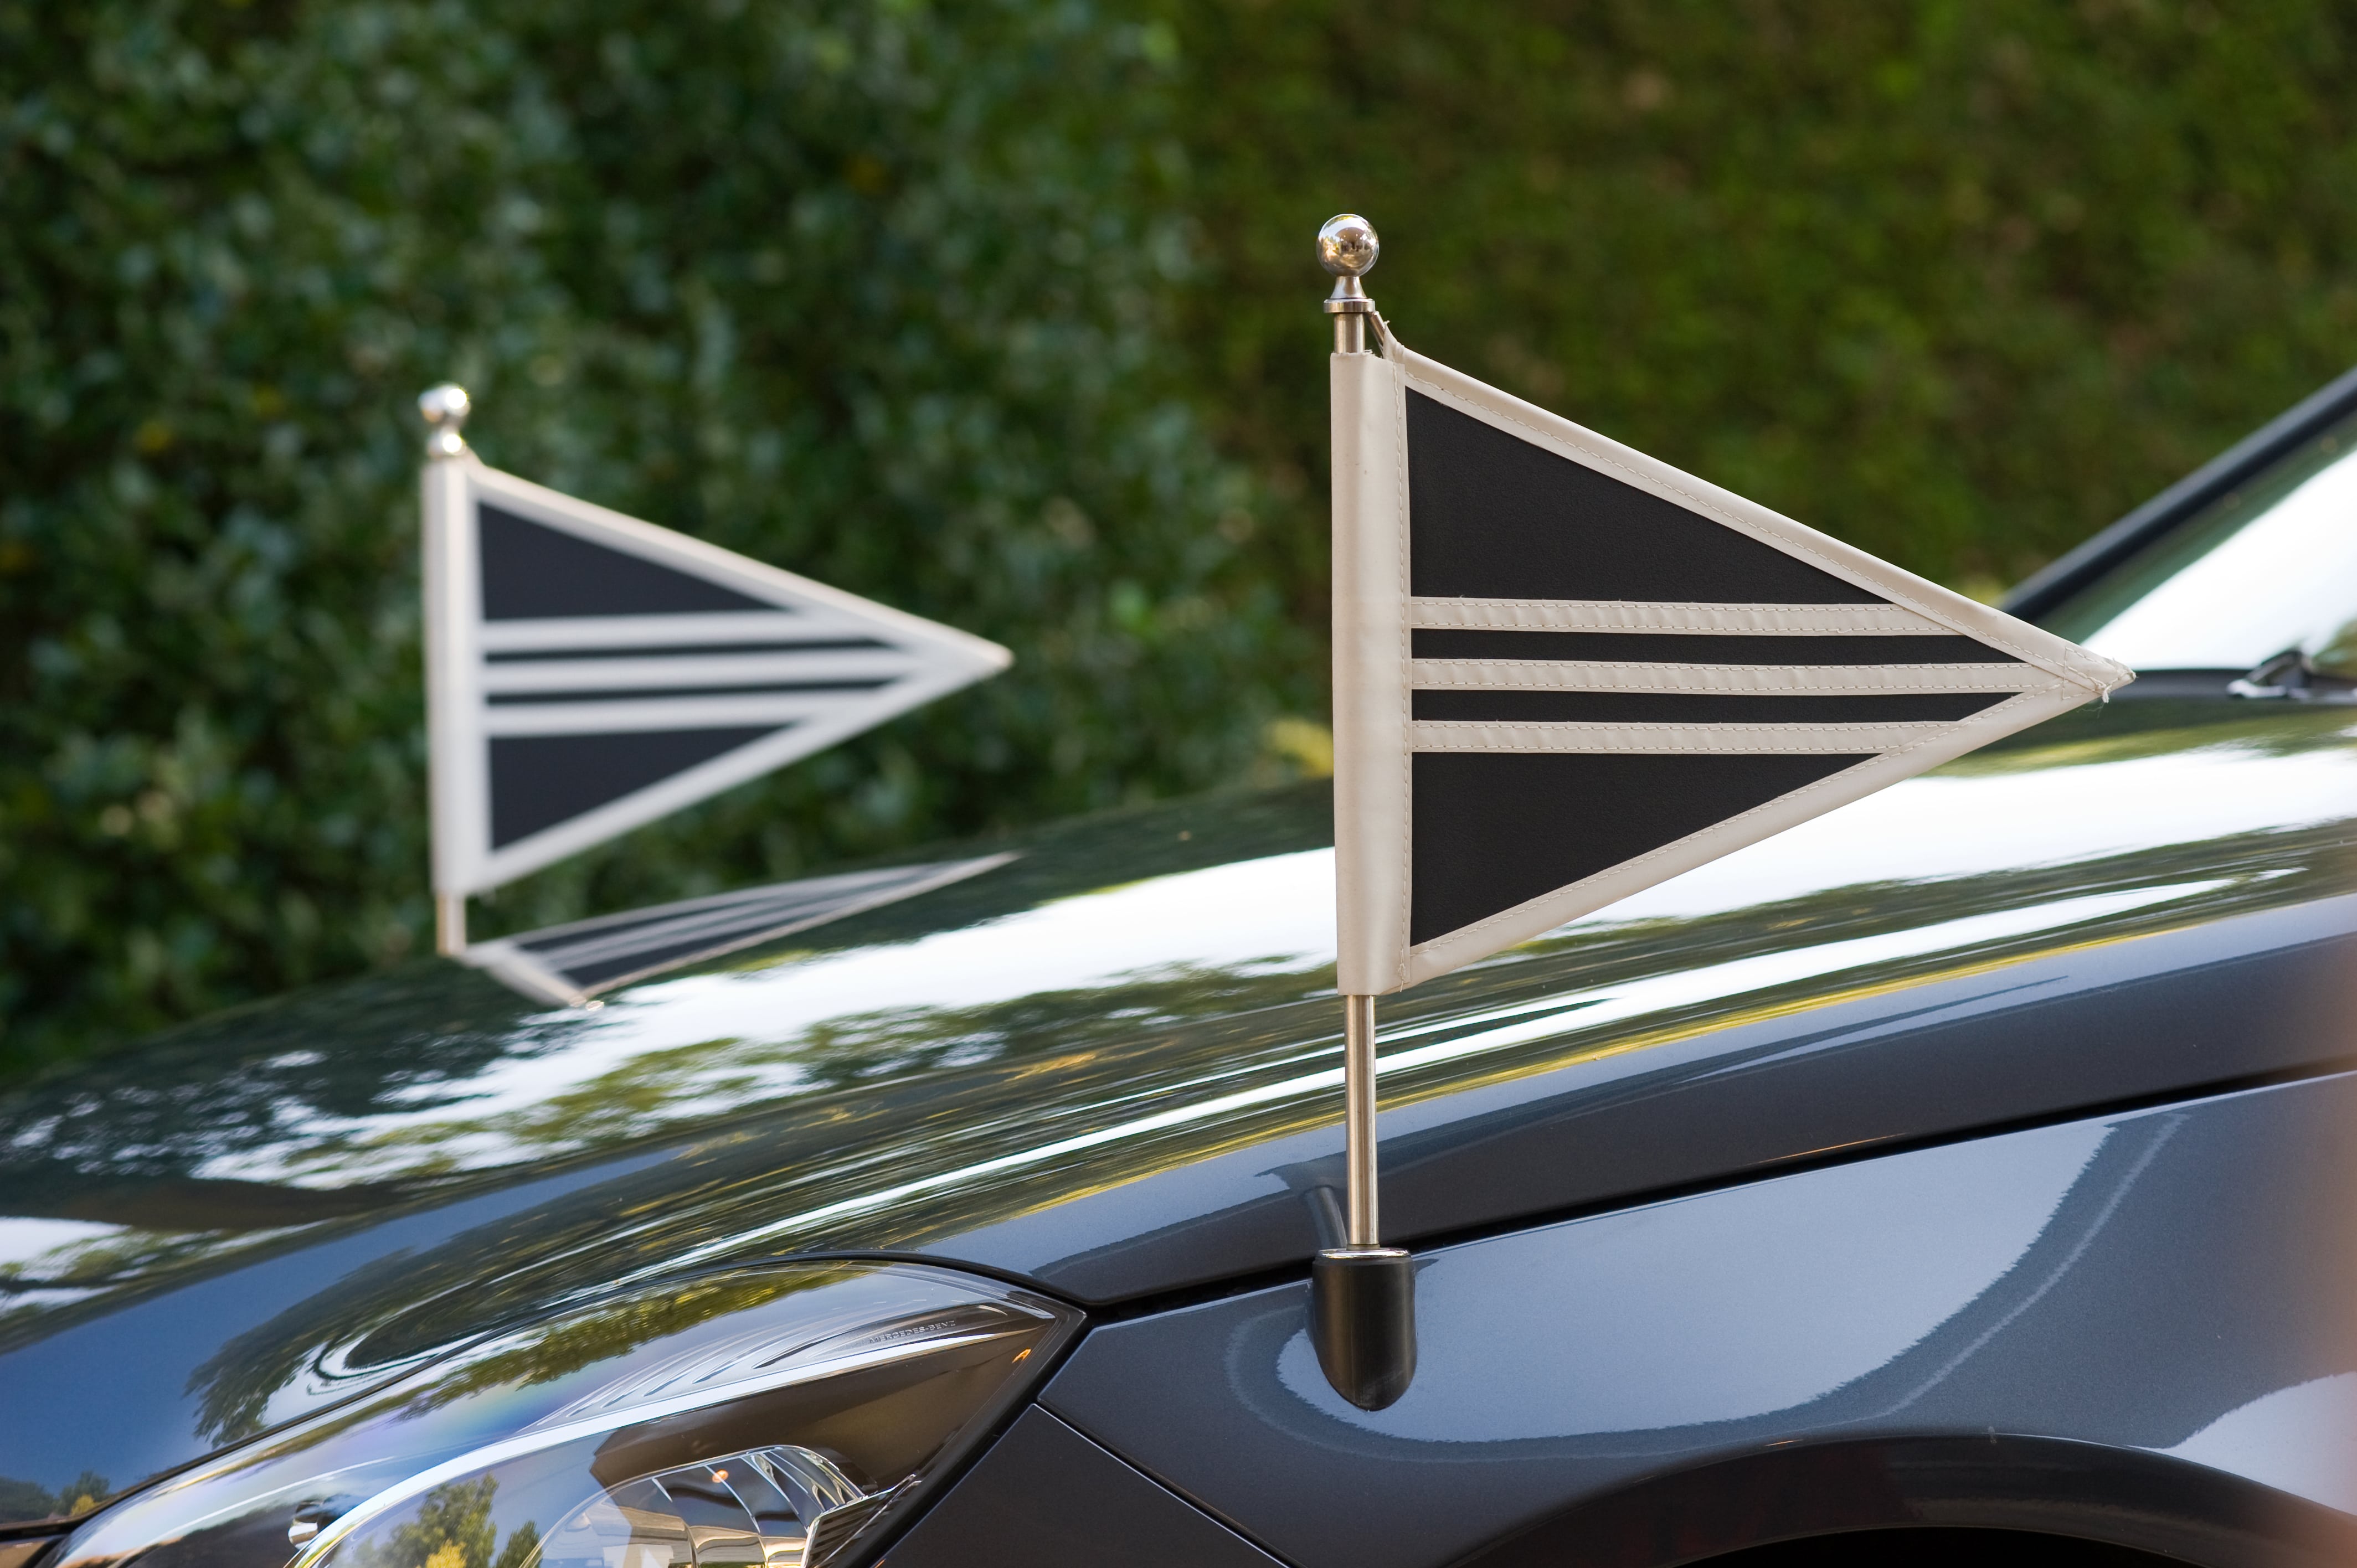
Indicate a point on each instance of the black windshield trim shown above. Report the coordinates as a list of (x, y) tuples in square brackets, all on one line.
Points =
[(2047, 590)]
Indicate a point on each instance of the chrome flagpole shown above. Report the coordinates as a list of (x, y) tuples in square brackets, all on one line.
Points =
[(441, 499), (1364, 1223), (1362, 1294)]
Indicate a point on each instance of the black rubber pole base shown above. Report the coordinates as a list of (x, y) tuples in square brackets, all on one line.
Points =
[(1363, 1320)]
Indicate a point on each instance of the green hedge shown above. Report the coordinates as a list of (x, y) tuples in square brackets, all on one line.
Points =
[(1003, 312), (874, 291), (1957, 282)]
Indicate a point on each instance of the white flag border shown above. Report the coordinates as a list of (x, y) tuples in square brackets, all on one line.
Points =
[(465, 863), (758, 579), (1373, 804)]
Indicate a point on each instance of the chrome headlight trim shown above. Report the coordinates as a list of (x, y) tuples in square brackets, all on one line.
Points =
[(542, 1435), (896, 1367)]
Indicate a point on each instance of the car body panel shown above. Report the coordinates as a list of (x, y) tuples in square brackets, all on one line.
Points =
[(2171, 1283), (1112, 1068), (1046, 1497)]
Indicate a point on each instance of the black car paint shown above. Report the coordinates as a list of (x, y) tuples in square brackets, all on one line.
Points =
[(1046, 1497), (2154, 1287), (1058, 1133)]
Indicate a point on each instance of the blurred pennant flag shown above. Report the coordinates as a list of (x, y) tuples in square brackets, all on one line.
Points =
[(1565, 671), (587, 673)]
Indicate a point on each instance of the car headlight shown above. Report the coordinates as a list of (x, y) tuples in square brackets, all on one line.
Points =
[(780, 1417)]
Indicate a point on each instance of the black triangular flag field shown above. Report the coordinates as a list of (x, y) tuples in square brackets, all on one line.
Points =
[(1564, 671), (587, 673)]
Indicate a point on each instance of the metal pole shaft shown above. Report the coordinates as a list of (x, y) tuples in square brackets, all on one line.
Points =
[(444, 409), (450, 923), (1351, 333), (1359, 1116)]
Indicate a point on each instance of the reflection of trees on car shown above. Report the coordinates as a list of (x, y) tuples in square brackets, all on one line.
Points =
[(452, 1527)]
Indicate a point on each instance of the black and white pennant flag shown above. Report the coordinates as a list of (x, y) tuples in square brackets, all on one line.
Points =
[(1564, 671), (587, 673)]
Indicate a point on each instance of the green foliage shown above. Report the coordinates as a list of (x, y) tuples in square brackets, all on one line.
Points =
[(21, 1500), (1959, 283), (522, 1548), (904, 297), (449, 1527), (867, 290)]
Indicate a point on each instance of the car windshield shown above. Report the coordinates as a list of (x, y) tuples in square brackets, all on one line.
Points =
[(2269, 568)]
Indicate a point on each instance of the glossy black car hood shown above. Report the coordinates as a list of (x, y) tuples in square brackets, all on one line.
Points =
[(1110, 1067)]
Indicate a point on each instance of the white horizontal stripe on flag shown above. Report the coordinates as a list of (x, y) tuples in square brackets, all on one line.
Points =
[(698, 669), (667, 713), (1455, 735), (1819, 679), (556, 633), (1628, 614)]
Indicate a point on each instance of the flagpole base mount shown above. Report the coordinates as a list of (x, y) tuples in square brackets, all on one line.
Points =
[(1362, 1321)]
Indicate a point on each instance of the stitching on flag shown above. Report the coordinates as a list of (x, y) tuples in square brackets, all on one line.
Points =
[(1593, 675), (1574, 736), (1407, 654), (1433, 614)]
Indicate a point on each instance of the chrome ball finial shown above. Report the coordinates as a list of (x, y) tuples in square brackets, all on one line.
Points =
[(444, 409), (1347, 245)]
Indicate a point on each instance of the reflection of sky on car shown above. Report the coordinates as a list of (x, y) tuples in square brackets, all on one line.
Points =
[(20, 1237), (1966, 822), (1613, 1336), (2298, 1440), (42, 1248), (670, 1053), (1494, 1032), (47, 1262), (1240, 916), (2287, 579)]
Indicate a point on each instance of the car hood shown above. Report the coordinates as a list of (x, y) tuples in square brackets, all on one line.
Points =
[(1110, 1067)]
